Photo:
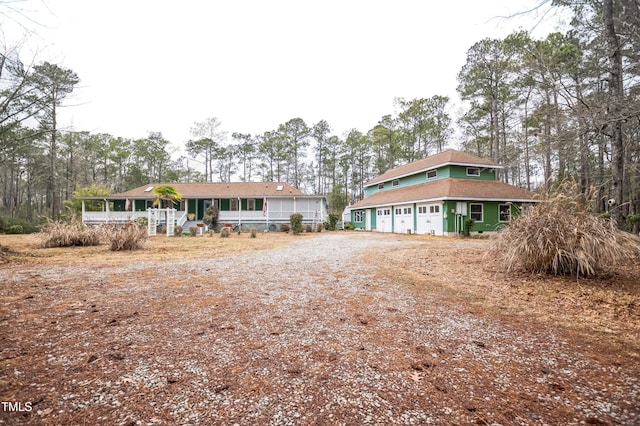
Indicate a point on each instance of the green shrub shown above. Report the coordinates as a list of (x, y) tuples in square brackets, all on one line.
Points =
[(349, 226), (253, 232), (129, 237), (333, 219), (210, 217), (468, 226), (284, 227), (15, 229), (69, 234), (296, 223)]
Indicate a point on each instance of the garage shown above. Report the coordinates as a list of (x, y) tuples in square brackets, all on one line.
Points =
[(403, 218), (429, 218)]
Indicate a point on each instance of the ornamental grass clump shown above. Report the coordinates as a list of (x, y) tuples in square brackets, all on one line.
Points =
[(129, 237), (560, 235), (70, 234)]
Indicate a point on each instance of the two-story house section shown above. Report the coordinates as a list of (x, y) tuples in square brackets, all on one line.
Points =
[(437, 194)]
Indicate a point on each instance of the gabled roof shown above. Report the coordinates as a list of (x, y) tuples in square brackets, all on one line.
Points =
[(450, 156), (216, 190), (449, 189)]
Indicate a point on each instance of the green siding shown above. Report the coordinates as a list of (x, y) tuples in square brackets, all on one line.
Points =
[(461, 172), (372, 214), (490, 210)]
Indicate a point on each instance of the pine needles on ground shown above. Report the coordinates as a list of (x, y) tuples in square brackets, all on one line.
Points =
[(561, 236)]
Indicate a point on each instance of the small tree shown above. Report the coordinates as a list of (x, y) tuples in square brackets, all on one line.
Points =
[(333, 220), (296, 223), (210, 217)]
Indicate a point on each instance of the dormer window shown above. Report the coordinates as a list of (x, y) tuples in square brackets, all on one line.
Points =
[(432, 173), (381, 185), (473, 171), (395, 182)]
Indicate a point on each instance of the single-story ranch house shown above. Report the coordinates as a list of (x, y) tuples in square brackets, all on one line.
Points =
[(436, 195), (264, 205)]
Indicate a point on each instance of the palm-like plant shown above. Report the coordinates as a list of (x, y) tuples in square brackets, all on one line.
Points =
[(167, 195)]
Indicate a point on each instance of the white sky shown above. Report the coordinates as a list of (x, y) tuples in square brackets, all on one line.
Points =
[(161, 66)]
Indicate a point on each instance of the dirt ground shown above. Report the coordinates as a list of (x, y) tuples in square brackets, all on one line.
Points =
[(330, 328)]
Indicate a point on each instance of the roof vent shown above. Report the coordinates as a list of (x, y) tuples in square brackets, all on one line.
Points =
[(279, 188), (148, 189)]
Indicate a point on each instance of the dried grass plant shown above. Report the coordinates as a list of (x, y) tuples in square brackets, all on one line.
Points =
[(69, 234), (129, 237), (561, 235)]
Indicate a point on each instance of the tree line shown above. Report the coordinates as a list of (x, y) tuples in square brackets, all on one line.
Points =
[(562, 107)]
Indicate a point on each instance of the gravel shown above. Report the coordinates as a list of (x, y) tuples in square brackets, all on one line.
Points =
[(311, 333)]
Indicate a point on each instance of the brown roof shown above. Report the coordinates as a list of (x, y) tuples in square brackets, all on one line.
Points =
[(217, 190), (450, 156), (448, 189)]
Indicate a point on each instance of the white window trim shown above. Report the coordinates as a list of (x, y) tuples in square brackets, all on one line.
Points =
[(473, 168), (358, 216), (430, 171), (509, 207), (251, 204), (395, 182), (381, 185), (481, 211)]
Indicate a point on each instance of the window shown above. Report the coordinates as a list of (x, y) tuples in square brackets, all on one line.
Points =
[(422, 209), (473, 171), (251, 204), (381, 186), (476, 212), (407, 210), (395, 182), (431, 174), (358, 216), (398, 211), (504, 212), (234, 204), (434, 209)]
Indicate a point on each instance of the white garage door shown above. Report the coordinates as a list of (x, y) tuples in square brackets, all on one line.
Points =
[(403, 219), (383, 219), (429, 219)]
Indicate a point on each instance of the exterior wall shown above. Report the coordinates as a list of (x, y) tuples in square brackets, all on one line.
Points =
[(461, 172), (372, 216), (491, 222)]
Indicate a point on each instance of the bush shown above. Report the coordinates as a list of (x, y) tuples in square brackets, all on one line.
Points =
[(177, 231), (161, 229), (333, 219), (15, 229), (348, 226), (284, 227), (225, 231), (210, 217), (253, 232), (319, 227), (296, 223), (69, 234), (560, 236), (193, 231), (468, 226), (129, 237), (308, 228)]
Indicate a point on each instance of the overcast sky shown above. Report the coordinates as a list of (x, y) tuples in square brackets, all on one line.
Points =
[(163, 65)]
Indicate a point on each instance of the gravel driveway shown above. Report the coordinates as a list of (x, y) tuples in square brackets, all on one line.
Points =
[(311, 333)]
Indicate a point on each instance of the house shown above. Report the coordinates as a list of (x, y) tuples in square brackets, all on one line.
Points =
[(437, 194), (263, 205)]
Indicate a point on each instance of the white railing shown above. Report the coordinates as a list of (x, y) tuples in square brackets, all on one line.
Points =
[(122, 217)]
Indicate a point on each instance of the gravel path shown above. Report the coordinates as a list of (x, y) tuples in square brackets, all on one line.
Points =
[(308, 334)]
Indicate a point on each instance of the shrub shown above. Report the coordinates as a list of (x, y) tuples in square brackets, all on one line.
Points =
[(15, 229), (210, 217), (296, 223), (333, 219), (225, 231), (69, 234), (177, 231), (468, 226), (129, 237), (253, 232), (308, 228), (161, 229), (193, 231), (284, 227), (348, 226), (560, 236), (319, 227)]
